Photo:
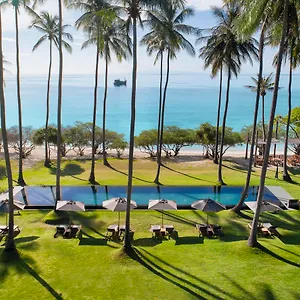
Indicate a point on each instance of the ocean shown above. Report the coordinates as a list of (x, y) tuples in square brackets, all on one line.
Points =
[(191, 100)]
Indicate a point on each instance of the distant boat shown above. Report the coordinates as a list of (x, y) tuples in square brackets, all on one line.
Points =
[(119, 82)]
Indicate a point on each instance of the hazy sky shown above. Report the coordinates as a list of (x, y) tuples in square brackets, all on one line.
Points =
[(82, 62)]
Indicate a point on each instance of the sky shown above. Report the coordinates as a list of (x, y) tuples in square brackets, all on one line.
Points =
[(83, 61)]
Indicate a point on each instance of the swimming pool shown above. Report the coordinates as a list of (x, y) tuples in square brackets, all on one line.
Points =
[(92, 196)]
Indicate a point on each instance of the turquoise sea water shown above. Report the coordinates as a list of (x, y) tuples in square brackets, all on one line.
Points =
[(191, 100)]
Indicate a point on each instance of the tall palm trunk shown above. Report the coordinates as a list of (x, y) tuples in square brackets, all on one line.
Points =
[(218, 116), (285, 175), (244, 194), (92, 173), (263, 116), (105, 162), (59, 103), (158, 157), (47, 158), (220, 179), (20, 177), (252, 240), (10, 244), (163, 119), (127, 241)]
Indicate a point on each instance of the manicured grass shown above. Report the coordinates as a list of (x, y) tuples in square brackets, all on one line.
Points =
[(175, 173), (186, 268)]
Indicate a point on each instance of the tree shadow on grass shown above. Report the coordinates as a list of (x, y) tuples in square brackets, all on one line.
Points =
[(2, 172), (288, 251), (198, 288), (71, 170), (186, 175), (278, 257), (26, 239), (23, 264), (124, 173), (179, 219), (147, 242), (189, 240)]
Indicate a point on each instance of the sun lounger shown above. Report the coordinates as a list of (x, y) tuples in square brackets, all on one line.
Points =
[(271, 229), (4, 231), (260, 229), (202, 228), (68, 231), (122, 233), (217, 230), (2, 235), (112, 232), (157, 232), (169, 229)]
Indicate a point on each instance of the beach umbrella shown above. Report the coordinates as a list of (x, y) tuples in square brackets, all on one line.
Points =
[(208, 205), (69, 205), (162, 205), (265, 206), (4, 206), (118, 204)]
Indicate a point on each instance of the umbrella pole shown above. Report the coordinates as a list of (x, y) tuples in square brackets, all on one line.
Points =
[(207, 219), (70, 218), (119, 221), (162, 218)]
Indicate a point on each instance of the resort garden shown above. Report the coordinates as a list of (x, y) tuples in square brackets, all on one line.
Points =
[(66, 245)]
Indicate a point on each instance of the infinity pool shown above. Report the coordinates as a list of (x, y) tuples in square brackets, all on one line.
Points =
[(34, 196)]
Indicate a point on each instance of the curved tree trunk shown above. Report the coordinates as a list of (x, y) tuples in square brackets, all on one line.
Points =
[(244, 194), (59, 104), (47, 158), (20, 176), (127, 241), (163, 119), (105, 162), (285, 175), (92, 173), (220, 179), (252, 240), (218, 116), (10, 244), (158, 157)]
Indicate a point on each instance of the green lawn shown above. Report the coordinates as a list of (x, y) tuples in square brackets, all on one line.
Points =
[(175, 173), (186, 268)]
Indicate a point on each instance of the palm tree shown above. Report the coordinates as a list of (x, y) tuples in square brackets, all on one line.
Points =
[(167, 29), (49, 27), (244, 194), (213, 56), (267, 84), (59, 99), (156, 43), (94, 12), (10, 245), (252, 240), (235, 51), (17, 4), (133, 9), (292, 54), (112, 38)]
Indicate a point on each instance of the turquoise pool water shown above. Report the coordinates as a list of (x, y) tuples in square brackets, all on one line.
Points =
[(34, 196)]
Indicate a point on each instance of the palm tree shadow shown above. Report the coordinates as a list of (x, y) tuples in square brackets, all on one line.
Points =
[(71, 170), (187, 175), (271, 253), (124, 173), (177, 279), (21, 264)]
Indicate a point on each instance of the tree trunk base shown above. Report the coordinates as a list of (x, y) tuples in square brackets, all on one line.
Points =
[(221, 182), (252, 243), (10, 247), (156, 181), (47, 163), (106, 163), (287, 177), (21, 181), (215, 161), (92, 178)]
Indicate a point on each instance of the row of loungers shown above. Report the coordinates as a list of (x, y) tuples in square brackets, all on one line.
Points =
[(4, 231), (266, 229)]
